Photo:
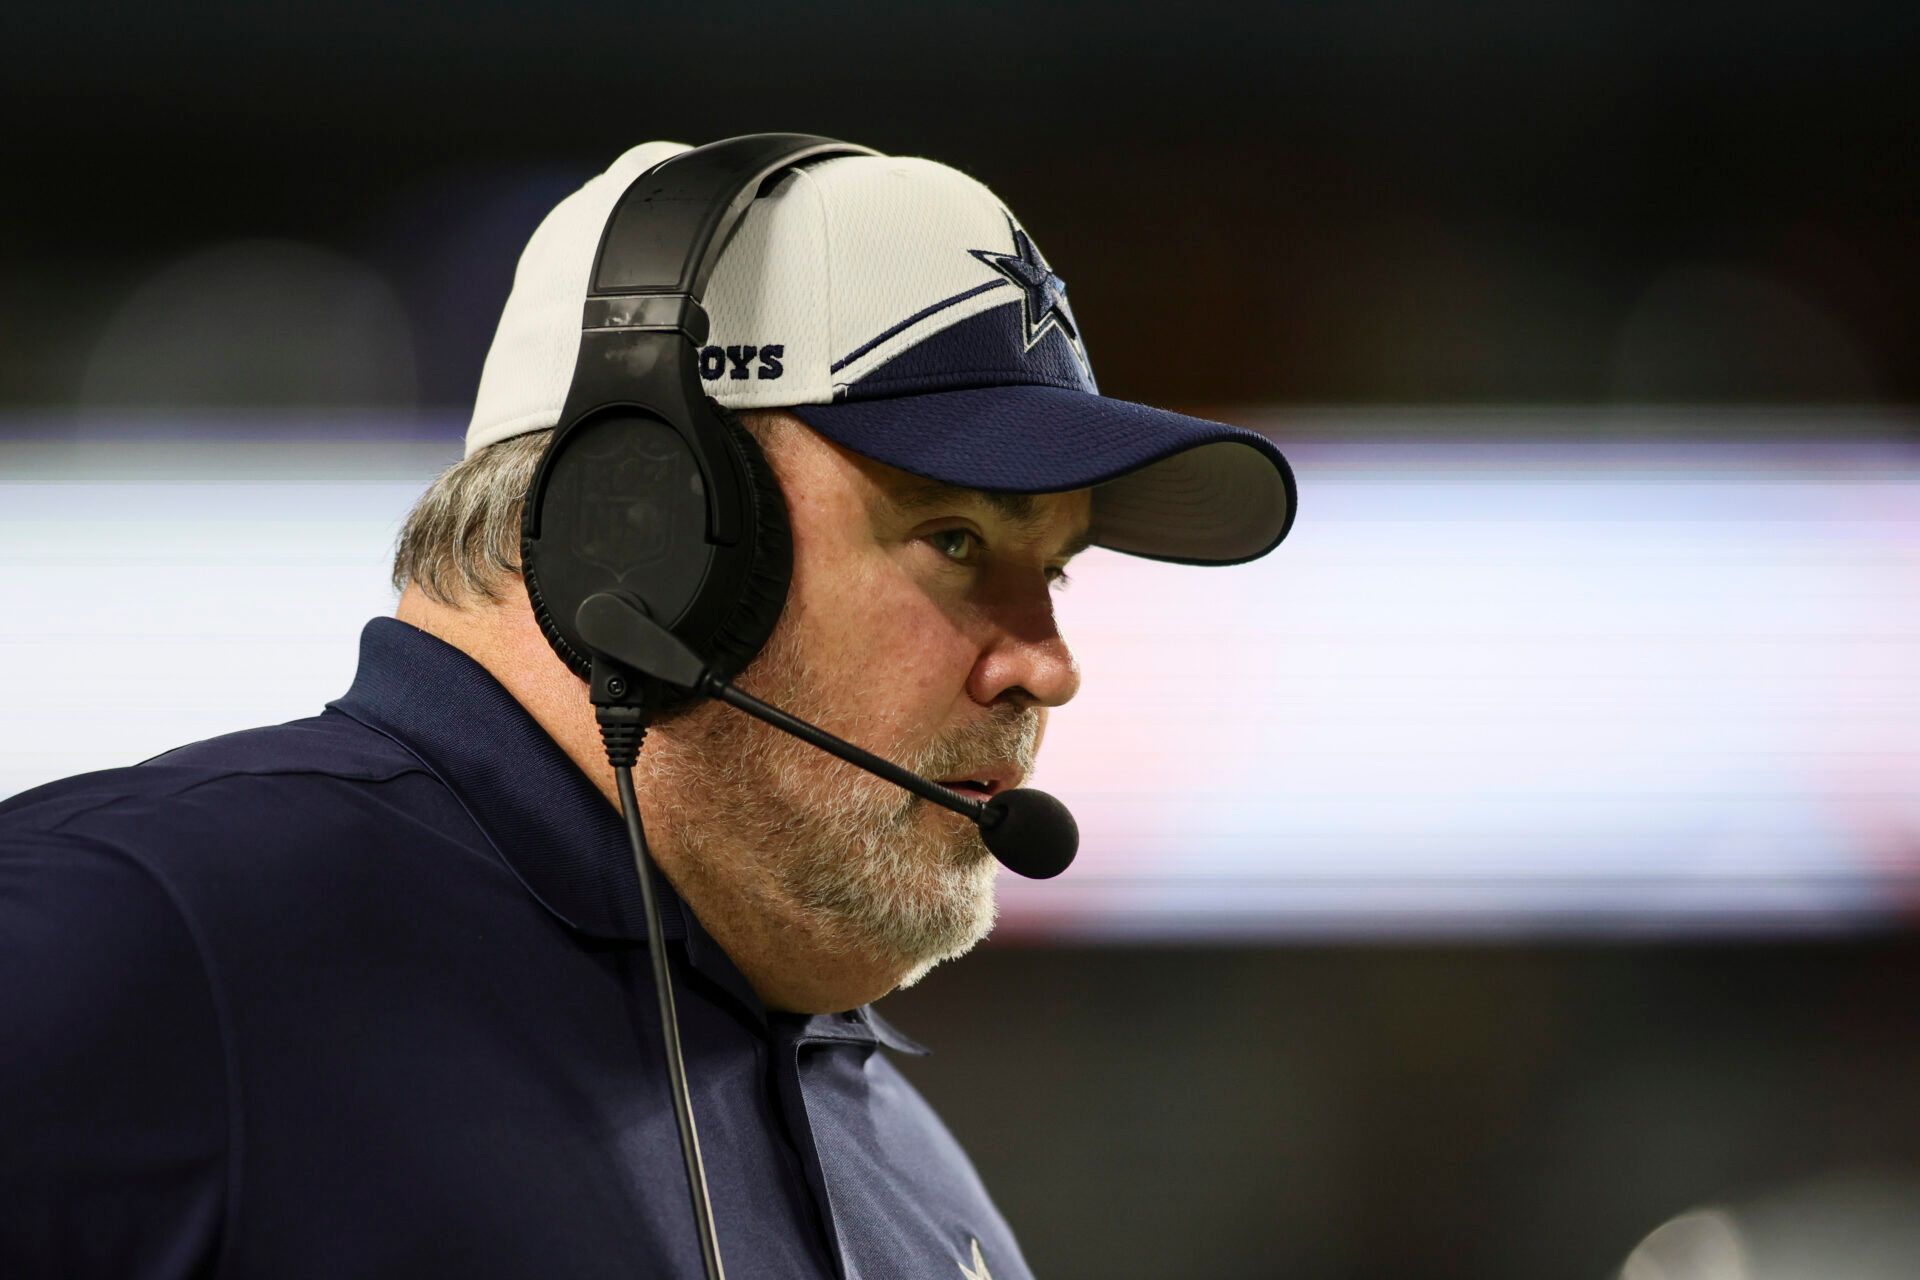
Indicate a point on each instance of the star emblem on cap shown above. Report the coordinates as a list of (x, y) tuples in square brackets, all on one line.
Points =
[(1043, 295), (979, 1269)]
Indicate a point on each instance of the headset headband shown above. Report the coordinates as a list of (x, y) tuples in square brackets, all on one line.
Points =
[(672, 223), (648, 487)]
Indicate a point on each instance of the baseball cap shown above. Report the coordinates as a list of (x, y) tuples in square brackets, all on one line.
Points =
[(898, 308)]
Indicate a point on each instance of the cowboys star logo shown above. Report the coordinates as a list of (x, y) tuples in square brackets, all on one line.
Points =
[(1043, 295), (978, 1271)]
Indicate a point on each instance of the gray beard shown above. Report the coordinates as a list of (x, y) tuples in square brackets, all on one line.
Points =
[(862, 867)]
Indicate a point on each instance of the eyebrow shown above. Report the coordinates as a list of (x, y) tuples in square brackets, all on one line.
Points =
[(1021, 509)]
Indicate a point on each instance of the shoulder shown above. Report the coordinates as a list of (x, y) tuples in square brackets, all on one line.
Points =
[(114, 1089), (100, 870), (92, 935), (229, 782), (327, 745), (244, 823), (94, 846)]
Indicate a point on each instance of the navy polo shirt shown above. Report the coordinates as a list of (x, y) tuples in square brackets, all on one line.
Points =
[(367, 994)]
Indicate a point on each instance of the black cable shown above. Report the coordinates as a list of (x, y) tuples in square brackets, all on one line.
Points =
[(663, 986)]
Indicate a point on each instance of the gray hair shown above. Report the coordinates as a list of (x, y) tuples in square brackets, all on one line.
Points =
[(461, 543)]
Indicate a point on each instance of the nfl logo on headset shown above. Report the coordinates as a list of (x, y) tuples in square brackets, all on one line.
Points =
[(617, 532)]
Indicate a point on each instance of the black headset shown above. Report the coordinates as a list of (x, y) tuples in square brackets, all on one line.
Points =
[(650, 487)]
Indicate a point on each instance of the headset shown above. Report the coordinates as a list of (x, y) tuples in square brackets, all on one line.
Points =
[(649, 486), (654, 540)]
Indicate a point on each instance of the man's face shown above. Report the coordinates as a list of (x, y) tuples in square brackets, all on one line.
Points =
[(919, 625)]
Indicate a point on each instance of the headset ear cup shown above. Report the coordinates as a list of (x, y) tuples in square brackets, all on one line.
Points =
[(746, 627)]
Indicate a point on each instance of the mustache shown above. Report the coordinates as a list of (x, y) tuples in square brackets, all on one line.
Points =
[(1005, 735)]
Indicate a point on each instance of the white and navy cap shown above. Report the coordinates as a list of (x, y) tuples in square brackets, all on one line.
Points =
[(896, 307)]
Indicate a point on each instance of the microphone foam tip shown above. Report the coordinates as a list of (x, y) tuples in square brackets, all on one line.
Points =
[(1033, 835)]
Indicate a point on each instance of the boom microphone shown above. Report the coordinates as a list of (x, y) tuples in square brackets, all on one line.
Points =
[(1029, 832), (1034, 836)]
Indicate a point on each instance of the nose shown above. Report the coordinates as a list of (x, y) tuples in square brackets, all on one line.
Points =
[(1025, 660)]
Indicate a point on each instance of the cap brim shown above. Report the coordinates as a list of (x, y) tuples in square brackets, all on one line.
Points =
[(1166, 486)]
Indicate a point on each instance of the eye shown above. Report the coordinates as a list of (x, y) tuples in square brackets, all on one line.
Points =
[(962, 536), (953, 545)]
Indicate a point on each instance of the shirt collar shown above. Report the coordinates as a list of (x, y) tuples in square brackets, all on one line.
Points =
[(552, 827), (549, 822)]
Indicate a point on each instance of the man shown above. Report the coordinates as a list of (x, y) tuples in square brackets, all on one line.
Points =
[(367, 994)]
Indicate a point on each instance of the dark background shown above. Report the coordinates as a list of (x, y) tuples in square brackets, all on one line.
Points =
[(1330, 202), (1351, 204), (1410, 1111)]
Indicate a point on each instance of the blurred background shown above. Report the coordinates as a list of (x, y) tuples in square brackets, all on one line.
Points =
[(1515, 875)]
